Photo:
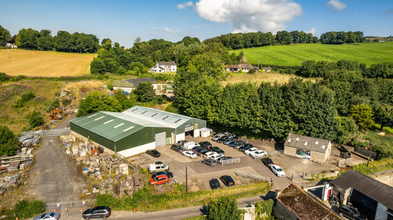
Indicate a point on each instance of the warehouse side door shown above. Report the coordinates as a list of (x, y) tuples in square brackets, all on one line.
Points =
[(160, 139)]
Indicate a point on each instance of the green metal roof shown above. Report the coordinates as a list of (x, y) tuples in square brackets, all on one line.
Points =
[(113, 125), (156, 116)]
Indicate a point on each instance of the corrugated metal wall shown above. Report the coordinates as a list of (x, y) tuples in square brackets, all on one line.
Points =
[(92, 136), (141, 137), (200, 124)]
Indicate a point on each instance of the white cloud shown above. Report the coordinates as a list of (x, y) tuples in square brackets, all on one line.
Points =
[(185, 4), (313, 31), (169, 30), (250, 15), (337, 5)]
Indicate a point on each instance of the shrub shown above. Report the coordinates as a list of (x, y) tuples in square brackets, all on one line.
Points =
[(263, 207), (53, 104), (26, 96), (8, 141), (252, 71), (4, 77), (26, 209), (224, 208), (110, 86), (66, 102), (35, 119)]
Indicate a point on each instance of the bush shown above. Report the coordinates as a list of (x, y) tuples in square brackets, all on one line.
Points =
[(252, 71), (263, 207), (110, 86), (26, 209), (53, 104), (8, 141), (4, 77), (35, 119), (66, 102), (26, 96), (224, 208)]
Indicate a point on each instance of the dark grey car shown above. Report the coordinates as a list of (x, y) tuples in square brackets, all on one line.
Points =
[(209, 162), (97, 212)]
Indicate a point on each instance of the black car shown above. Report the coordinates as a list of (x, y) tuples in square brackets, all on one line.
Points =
[(218, 150), (267, 161), (209, 162), (153, 153), (214, 184), (351, 212), (177, 148), (205, 144), (220, 140), (196, 149), (246, 147), (227, 180), (202, 152), (169, 174), (97, 212)]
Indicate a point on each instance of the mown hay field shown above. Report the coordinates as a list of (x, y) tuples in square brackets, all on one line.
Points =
[(44, 63), (294, 55), (258, 78)]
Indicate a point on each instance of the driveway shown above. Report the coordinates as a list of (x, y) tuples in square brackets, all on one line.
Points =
[(53, 177)]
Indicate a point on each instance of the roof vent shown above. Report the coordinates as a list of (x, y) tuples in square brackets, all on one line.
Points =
[(118, 125), (289, 140), (154, 114), (91, 116), (134, 110), (165, 117), (98, 118), (305, 143), (323, 147), (177, 120), (108, 121), (297, 139), (143, 112), (316, 142)]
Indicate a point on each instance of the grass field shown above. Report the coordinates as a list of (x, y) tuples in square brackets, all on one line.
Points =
[(260, 77), (294, 55), (44, 63)]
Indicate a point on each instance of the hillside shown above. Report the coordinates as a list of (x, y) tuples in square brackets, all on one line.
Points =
[(294, 55), (44, 63)]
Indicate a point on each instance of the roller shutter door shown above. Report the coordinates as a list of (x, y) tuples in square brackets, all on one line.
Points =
[(160, 139), (189, 128)]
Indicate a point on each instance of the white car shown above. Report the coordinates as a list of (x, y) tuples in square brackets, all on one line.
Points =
[(277, 170), (251, 150), (258, 154), (209, 154), (216, 156), (189, 154), (48, 216)]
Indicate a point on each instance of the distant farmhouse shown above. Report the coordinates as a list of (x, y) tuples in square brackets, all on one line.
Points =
[(161, 67), (131, 84), (314, 149), (236, 68), (267, 69), (10, 45)]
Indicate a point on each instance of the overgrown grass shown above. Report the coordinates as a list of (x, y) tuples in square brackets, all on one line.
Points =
[(264, 210), (294, 55), (374, 166), (196, 218), (149, 199), (389, 129)]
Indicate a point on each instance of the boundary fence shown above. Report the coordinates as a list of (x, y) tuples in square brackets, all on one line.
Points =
[(254, 176), (230, 161), (47, 133), (62, 206)]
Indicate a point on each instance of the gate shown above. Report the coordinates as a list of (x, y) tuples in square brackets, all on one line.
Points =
[(230, 161), (47, 133)]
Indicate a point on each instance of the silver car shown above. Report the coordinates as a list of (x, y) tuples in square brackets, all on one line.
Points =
[(48, 216)]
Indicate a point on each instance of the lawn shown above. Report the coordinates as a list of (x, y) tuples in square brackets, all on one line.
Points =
[(44, 63), (260, 77), (294, 55)]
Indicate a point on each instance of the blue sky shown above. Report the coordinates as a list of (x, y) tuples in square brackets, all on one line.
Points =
[(123, 20)]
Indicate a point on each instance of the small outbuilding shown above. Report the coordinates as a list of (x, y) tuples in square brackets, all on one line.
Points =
[(314, 149), (266, 69), (245, 68)]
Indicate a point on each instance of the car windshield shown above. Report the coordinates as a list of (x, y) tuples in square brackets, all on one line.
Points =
[(279, 169)]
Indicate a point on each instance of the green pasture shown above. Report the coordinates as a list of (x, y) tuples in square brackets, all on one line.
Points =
[(294, 55)]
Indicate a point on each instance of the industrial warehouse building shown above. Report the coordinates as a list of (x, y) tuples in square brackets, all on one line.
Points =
[(314, 149), (135, 130)]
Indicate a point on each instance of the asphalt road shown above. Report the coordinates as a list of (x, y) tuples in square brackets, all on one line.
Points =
[(53, 178)]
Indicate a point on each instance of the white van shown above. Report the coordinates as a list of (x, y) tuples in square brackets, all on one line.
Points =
[(189, 145)]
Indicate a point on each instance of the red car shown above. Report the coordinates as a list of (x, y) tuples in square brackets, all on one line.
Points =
[(158, 180)]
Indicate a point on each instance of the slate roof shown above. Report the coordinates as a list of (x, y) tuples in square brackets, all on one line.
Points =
[(307, 143), (136, 81), (167, 63), (240, 66), (366, 185), (266, 68), (304, 206)]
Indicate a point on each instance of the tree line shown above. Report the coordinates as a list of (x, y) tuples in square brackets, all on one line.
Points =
[(341, 37), (257, 39), (335, 107), (142, 56)]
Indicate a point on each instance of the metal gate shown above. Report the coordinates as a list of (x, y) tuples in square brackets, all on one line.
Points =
[(160, 139)]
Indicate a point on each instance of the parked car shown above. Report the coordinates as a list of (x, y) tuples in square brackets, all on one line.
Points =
[(218, 150), (48, 216), (232, 143), (258, 154), (209, 162), (202, 152), (205, 144), (216, 156), (182, 142), (239, 145), (246, 147), (97, 212), (219, 160), (249, 151), (169, 174), (214, 184), (209, 154), (267, 161), (154, 168), (189, 154), (222, 139), (177, 148), (227, 180), (153, 153), (227, 141), (189, 145), (351, 212), (158, 180), (196, 149), (277, 170), (217, 137)]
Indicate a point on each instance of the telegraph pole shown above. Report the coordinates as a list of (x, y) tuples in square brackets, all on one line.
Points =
[(186, 181), (369, 155)]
